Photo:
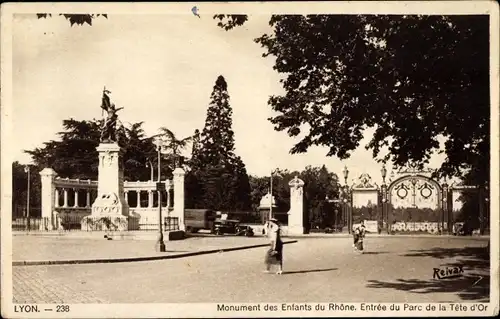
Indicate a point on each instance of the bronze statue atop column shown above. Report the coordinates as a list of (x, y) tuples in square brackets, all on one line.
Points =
[(111, 122)]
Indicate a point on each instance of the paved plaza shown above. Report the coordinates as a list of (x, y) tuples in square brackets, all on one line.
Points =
[(69, 248), (393, 269)]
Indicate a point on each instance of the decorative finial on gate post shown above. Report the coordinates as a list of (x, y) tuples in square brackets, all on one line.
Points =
[(384, 173)]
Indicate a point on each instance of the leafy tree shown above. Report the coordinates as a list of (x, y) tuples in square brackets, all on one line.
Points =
[(242, 199), (259, 187), (218, 187), (78, 19), (139, 152), (20, 190), (227, 22), (192, 183), (319, 183), (174, 147), (74, 155), (420, 76), (193, 189), (216, 170), (281, 189)]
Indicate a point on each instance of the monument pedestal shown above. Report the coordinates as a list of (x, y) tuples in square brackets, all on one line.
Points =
[(110, 210), (110, 223)]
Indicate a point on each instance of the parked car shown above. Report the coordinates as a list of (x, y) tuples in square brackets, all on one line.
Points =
[(231, 226), (196, 219)]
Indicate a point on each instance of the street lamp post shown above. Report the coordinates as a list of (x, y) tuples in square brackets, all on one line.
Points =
[(271, 193), (346, 194), (150, 165), (487, 213), (271, 198), (346, 175), (160, 244), (383, 171), (444, 205), (27, 170)]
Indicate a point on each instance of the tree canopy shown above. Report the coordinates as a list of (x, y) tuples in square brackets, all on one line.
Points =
[(74, 155), (174, 147), (79, 19), (411, 78)]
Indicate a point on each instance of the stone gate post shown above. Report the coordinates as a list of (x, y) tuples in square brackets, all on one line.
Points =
[(179, 196), (296, 212), (48, 176)]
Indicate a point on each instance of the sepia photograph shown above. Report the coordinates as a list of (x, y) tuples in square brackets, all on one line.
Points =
[(250, 159)]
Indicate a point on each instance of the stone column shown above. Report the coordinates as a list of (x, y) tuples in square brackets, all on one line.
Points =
[(126, 196), (76, 197), (138, 202), (56, 199), (150, 198), (168, 188), (87, 200), (295, 215), (48, 176), (65, 204), (444, 206), (179, 196)]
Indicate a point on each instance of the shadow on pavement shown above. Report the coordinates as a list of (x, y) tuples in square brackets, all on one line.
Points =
[(473, 284), (375, 252), (307, 271), (441, 253)]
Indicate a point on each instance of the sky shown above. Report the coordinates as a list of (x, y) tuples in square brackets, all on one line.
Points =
[(161, 69)]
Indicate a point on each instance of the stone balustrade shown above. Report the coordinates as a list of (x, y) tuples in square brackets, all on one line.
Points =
[(73, 198), (64, 187)]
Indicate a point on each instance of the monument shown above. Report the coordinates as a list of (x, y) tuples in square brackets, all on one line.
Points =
[(110, 210), (296, 213)]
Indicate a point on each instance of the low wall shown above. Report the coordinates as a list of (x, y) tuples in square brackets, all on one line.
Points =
[(70, 218)]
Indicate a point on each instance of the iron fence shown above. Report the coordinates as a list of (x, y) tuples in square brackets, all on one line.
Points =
[(28, 224), (93, 223)]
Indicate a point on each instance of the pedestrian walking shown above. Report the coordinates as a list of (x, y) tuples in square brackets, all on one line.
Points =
[(274, 255), (359, 235)]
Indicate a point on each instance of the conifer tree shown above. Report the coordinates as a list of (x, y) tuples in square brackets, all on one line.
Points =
[(217, 137), (215, 167)]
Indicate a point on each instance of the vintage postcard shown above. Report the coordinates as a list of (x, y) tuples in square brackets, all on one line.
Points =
[(250, 159)]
